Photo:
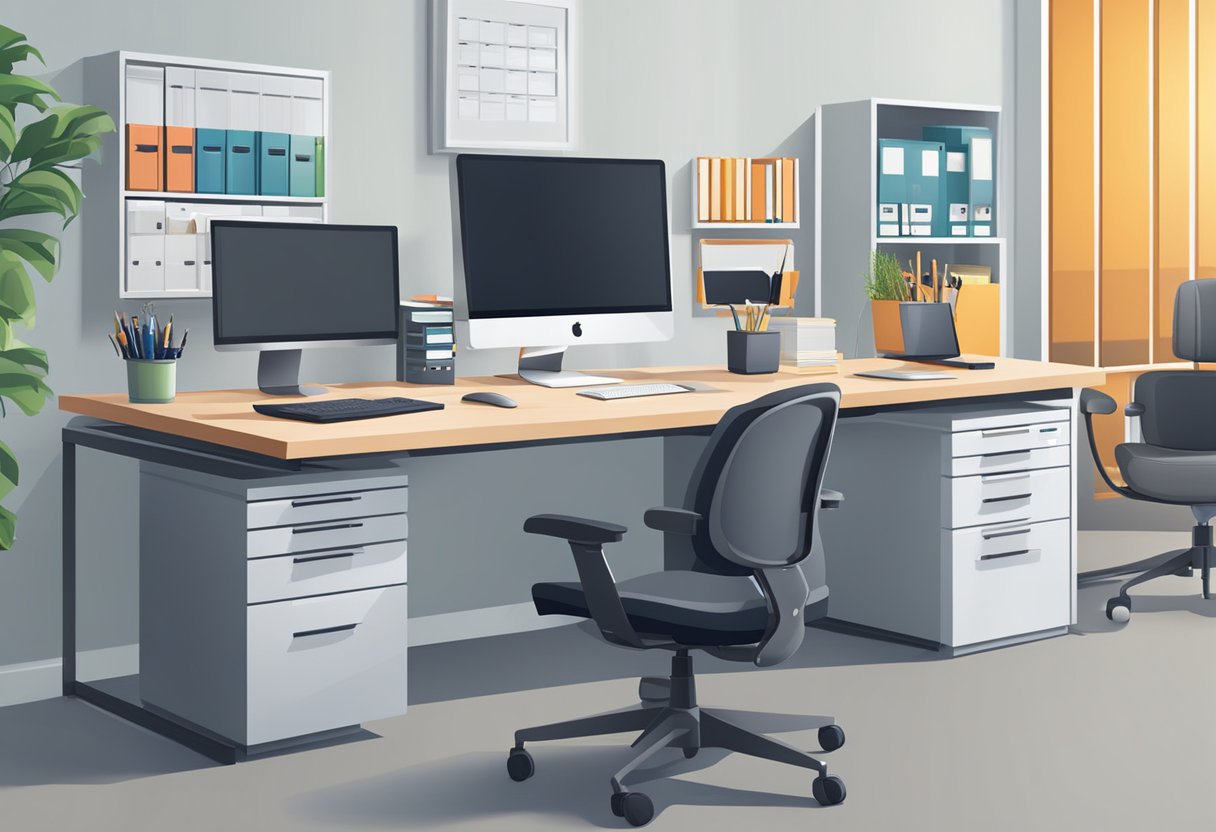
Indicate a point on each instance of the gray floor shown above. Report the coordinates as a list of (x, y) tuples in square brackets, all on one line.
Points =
[(1103, 729)]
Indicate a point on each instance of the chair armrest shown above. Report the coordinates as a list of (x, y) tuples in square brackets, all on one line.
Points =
[(1133, 409), (673, 520), (830, 498), (574, 529), (587, 539), (1095, 401)]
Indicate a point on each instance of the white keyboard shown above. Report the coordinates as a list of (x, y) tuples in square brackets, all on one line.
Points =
[(630, 391)]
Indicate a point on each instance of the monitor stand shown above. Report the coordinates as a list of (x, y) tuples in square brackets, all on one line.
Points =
[(543, 366), (279, 374)]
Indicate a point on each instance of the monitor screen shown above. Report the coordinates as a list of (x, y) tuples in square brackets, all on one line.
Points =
[(293, 282), (563, 236)]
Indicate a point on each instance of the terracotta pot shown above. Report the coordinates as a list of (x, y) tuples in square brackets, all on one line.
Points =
[(888, 332)]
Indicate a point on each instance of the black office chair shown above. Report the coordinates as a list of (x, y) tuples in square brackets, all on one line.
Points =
[(1176, 461), (751, 514)]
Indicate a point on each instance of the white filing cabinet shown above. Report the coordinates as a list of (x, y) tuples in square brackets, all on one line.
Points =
[(966, 540), (274, 607)]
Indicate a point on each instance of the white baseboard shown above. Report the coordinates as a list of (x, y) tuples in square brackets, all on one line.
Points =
[(31, 681), (489, 621)]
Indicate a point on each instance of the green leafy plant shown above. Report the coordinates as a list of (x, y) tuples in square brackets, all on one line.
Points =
[(38, 135), (885, 279)]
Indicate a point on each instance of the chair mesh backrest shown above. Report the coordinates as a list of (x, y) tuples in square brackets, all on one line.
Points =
[(1179, 404), (1179, 409), (1195, 320), (758, 480)]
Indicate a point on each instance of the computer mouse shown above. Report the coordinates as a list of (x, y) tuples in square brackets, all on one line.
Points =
[(488, 397)]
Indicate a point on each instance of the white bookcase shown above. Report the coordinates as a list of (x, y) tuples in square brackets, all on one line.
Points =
[(176, 267), (847, 189)]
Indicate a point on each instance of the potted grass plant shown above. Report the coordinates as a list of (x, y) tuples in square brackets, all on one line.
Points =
[(39, 135), (886, 287)]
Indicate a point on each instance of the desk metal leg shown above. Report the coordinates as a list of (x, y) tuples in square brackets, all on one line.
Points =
[(69, 568)]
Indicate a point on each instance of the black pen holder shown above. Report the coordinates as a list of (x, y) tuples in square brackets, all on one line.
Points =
[(752, 352)]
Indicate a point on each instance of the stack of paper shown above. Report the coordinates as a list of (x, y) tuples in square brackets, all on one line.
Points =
[(808, 345)]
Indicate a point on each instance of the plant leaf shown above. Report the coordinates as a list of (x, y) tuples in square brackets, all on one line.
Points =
[(25, 387), (37, 248), (51, 188), (33, 137), (8, 527), (8, 134), (17, 301), (9, 471), (21, 89), (27, 356), (13, 49)]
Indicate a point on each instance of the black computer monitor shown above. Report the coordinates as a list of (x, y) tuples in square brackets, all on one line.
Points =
[(558, 251), (280, 287)]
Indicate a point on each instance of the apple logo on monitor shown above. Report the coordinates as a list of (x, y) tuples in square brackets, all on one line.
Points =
[(577, 329)]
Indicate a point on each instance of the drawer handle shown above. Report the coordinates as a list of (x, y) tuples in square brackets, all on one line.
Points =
[(339, 526), (1025, 496), (333, 556), (1025, 453), (1012, 554), (1004, 432), (324, 502), (992, 536), (1017, 475), (339, 629)]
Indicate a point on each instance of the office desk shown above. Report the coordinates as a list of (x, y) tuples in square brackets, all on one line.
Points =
[(217, 434)]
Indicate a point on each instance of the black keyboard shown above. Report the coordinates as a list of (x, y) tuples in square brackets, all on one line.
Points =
[(345, 410)]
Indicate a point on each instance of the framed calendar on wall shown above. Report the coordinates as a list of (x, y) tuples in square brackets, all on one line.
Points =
[(503, 74)]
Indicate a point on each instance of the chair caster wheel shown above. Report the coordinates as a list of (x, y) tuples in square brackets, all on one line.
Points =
[(689, 753), (1119, 609), (831, 737), (829, 790), (520, 765), (634, 807)]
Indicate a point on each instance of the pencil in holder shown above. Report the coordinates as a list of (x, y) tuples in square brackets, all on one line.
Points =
[(151, 381)]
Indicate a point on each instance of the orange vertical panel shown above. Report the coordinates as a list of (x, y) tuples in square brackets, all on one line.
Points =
[(1205, 138), (1125, 205), (1071, 245), (1172, 168)]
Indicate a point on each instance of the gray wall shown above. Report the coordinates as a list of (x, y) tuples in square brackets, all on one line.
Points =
[(705, 77)]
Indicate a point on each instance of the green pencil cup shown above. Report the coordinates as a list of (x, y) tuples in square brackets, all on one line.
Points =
[(151, 381)]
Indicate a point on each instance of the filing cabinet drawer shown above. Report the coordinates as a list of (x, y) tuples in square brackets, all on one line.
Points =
[(1015, 438), (1007, 461), (1031, 496), (317, 664), (318, 573), (326, 534), (1008, 580), (333, 506)]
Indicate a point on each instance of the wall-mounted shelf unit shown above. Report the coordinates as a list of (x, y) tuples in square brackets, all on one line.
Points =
[(701, 200), (198, 139), (847, 184)]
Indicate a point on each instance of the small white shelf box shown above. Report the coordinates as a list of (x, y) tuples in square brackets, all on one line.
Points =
[(846, 167), (105, 210)]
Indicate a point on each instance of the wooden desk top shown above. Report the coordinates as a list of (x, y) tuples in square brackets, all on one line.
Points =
[(226, 417)]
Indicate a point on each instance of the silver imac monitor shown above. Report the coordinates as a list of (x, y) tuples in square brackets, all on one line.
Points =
[(280, 287), (558, 251)]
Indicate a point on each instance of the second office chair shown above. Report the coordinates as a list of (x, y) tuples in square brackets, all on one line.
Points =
[(751, 515), (1175, 461)]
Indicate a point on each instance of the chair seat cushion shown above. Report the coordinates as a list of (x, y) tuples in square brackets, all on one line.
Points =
[(694, 608), (1186, 477)]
